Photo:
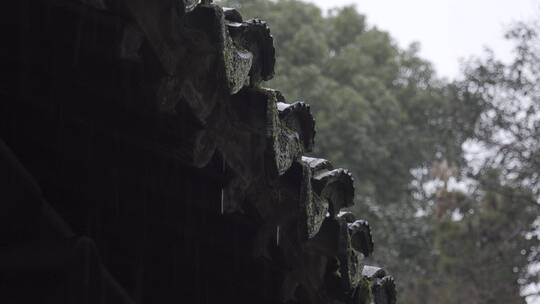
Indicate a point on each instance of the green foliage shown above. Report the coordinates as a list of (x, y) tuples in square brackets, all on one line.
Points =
[(487, 246)]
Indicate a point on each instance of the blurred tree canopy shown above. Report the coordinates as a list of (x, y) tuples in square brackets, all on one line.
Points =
[(382, 112)]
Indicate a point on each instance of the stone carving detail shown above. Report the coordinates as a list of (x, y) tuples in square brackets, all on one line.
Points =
[(197, 98), (298, 117), (382, 285)]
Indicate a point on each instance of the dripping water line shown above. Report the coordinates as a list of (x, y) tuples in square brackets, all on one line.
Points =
[(277, 235), (222, 190), (222, 193)]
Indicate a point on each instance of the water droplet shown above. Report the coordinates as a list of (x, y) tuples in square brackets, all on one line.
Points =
[(277, 236), (222, 205)]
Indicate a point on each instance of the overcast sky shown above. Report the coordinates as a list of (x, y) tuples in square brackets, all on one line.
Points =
[(447, 29)]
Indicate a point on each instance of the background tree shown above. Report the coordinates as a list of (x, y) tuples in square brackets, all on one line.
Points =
[(507, 177)]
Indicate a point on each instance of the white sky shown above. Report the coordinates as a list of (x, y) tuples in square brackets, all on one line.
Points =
[(448, 30)]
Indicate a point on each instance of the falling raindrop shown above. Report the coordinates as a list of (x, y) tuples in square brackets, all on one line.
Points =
[(222, 207), (277, 236), (222, 190)]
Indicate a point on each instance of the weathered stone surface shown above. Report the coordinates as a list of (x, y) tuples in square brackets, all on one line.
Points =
[(317, 164), (347, 216), (372, 272), (214, 58), (335, 185), (159, 143), (361, 239), (311, 208), (384, 291), (298, 117), (232, 15), (252, 138), (382, 285), (254, 35), (189, 5), (160, 20)]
